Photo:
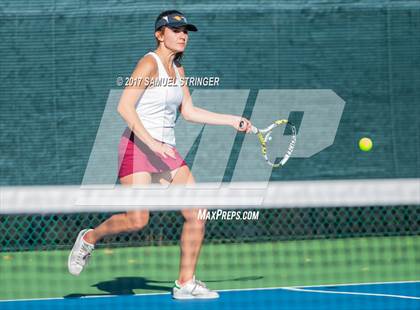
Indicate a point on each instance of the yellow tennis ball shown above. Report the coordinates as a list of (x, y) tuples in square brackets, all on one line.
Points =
[(365, 144)]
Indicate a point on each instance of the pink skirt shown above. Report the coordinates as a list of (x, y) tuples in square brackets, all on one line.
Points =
[(135, 156)]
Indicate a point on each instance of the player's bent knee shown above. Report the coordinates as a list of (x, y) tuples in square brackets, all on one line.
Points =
[(193, 216), (138, 220), (196, 221)]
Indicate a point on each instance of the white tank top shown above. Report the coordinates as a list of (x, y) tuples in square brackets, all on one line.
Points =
[(157, 107)]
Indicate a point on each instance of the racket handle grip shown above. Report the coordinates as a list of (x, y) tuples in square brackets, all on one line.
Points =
[(253, 129)]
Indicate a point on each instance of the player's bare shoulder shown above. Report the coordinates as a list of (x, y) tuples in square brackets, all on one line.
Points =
[(145, 70), (146, 66)]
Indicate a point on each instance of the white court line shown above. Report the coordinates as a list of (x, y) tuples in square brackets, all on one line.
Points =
[(360, 283), (300, 288), (91, 296), (349, 293), (319, 285)]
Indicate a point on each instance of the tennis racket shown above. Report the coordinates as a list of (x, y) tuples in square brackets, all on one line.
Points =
[(271, 138)]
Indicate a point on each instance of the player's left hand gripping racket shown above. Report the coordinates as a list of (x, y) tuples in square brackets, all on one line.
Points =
[(270, 139)]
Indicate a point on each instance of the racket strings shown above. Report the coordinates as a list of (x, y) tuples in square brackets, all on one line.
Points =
[(280, 143)]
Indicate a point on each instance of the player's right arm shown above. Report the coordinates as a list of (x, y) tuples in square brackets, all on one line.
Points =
[(145, 70)]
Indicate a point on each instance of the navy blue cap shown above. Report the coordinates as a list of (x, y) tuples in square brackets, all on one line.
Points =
[(175, 20)]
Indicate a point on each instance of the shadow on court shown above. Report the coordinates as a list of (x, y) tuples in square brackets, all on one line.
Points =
[(127, 285)]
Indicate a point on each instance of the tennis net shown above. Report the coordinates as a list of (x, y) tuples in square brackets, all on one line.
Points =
[(275, 234)]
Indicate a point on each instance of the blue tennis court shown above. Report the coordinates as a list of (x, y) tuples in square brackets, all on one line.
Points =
[(399, 295)]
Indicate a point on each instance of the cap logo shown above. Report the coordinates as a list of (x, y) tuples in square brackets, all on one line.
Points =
[(177, 17)]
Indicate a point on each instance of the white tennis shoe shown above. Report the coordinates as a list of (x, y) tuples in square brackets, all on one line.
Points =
[(80, 254), (193, 289)]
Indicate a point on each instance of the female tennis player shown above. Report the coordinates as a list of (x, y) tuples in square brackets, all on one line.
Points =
[(147, 151)]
